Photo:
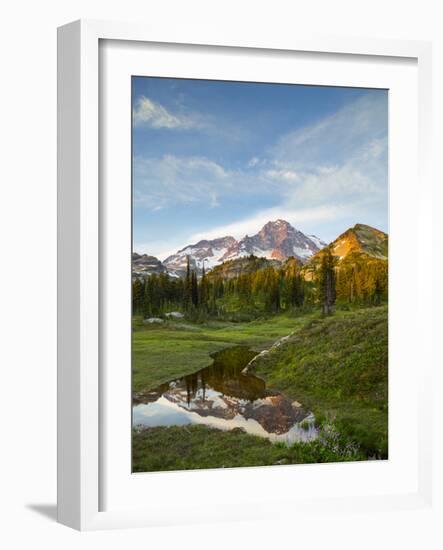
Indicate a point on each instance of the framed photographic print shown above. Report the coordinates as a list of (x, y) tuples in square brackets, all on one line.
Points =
[(236, 220), (254, 341)]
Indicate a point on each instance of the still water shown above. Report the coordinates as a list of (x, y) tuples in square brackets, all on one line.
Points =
[(222, 396)]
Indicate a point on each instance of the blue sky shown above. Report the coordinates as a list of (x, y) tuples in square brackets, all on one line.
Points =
[(214, 158)]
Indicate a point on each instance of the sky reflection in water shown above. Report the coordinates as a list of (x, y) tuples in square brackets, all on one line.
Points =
[(221, 396)]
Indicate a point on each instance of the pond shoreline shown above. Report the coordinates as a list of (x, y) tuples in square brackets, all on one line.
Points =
[(174, 349), (226, 397)]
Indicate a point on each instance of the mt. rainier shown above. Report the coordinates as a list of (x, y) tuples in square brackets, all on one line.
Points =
[(276, 240)]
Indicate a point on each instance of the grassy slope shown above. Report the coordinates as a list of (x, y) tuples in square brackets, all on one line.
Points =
[(196, 447), (175, 348), (338, 367)]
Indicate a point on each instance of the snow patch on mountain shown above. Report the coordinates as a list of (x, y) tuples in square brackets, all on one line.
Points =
[(302, 252), (318, 242), (276, 240)]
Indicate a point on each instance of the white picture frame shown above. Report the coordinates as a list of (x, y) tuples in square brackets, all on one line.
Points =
[(81, 210)]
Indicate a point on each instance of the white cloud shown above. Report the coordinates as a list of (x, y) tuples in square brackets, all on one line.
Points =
[(253, 162), (340, 158), (252, 224), (178, 180), (152, 113), (281, 175), (335, 138), (362, 178), (161, 182)]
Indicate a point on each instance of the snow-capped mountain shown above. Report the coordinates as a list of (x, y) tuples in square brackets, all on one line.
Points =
[(321, 244), (276, 240), (142, 265), (209, 253)]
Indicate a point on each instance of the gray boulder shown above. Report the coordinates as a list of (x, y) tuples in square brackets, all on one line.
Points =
[(152, 320), (174, 315)]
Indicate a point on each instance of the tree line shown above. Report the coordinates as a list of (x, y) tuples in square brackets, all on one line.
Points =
[(268, 290)]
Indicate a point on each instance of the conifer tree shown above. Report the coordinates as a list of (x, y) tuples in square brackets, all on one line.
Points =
[(326, 282), (137, 296), (378, 291), (187, 290), (194, 289), (147, 299), (204, 290)]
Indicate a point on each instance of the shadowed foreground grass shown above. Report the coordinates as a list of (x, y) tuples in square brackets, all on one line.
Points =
[(197, 447)]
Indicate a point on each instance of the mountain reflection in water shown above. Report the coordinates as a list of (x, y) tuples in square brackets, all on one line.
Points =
[(222, 396)]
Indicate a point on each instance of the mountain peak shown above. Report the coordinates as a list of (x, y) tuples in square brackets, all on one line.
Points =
[(278, 222), (277, 225), (363, 239), (276, 240), (277, 229)]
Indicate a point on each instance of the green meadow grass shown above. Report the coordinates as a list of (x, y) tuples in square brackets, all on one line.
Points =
[(162, 352), (338, 368), (197, 447)]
